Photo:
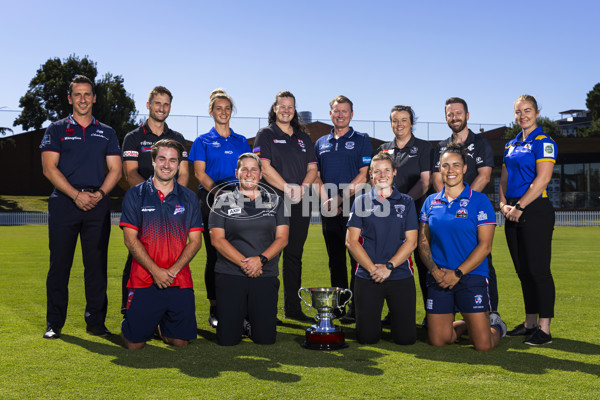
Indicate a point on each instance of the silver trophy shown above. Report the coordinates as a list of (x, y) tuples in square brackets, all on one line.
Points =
[(325, 335)]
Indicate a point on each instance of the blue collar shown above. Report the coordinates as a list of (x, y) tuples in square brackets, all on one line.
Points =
[(73, 122), (465, 194)]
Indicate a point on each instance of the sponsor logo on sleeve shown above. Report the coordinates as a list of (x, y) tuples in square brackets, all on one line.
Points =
[(46, 140), (482, 216), (366, 160), (549, 150), (256, 150), (184, 154), (478, 160), (130, 153)]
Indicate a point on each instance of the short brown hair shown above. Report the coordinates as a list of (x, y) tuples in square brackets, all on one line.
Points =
[(248, 155), (170, 143), (453, 100), (81, 79), (159, 90), (341, 99), (382, 156)]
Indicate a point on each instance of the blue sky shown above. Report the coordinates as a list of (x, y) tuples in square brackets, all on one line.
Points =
[(378, 53)]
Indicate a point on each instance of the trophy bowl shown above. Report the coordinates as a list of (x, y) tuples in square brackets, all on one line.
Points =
[(325, 335)]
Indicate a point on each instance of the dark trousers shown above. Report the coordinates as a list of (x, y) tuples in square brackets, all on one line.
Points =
[(401, 299), (240, 297), (66, 223), (292, 259), (211, 253), (334, 233), (530, 245)]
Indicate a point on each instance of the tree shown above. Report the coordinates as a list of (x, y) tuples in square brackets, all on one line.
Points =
[(592, 102), (10, 141), (46, 99), (548, 126)]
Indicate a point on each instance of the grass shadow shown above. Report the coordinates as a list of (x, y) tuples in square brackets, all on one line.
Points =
[(9, 206), (204, 358)]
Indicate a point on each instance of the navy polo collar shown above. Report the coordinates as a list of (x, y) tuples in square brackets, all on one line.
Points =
[(73, 122), (346, 136), (375, 196), (174, 192)]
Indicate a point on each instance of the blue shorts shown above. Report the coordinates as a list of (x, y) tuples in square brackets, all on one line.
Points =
[(174, 309), (470, 295)]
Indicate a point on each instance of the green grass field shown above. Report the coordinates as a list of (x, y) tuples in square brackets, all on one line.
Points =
[(83, 366)]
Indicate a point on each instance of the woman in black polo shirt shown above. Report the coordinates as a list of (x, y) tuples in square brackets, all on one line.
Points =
[(248, 228), (412, 158)]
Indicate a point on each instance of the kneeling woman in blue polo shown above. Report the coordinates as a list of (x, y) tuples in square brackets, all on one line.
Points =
[(385, 220), (455, 238)]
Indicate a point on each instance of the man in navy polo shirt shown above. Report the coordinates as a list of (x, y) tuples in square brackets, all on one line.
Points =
[(162, 228), (75, 152), (344, 156), (480, 161), (137, 161)]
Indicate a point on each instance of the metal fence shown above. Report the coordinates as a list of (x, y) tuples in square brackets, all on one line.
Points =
[(563, 218)]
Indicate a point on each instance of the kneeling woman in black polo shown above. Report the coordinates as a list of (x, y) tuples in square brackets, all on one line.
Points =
[(248, 228), (386, 220)]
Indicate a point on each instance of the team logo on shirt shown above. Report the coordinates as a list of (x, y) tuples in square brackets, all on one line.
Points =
[(462, 213), (70, 131), (478, 299), (349, 145), (471, 147), (414, 150), (399, 210), (549, 149), (527, 147), (464, 202), (179, 210), (216, 144), (482, 216)]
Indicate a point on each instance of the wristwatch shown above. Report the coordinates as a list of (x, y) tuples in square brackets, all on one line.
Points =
[(263, 259), (458, 273), (518, 207), (389, 266)]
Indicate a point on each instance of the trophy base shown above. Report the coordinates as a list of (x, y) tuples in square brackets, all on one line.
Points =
[(324, 340)]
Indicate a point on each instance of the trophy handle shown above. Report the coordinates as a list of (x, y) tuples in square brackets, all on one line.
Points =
[(302, 298), (341, 307)]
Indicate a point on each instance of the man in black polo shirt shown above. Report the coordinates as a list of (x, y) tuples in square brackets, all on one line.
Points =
[(137, 160), (344, 156), (480, 161)]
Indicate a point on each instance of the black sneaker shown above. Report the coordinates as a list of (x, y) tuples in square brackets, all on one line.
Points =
[(99, 330), (538, 338), (52, 333), (521, 330), (212, 320)]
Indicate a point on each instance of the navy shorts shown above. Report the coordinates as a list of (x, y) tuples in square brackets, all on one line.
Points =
[(174, 309), (469, 295)]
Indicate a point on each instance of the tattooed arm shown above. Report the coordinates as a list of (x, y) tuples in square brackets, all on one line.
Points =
[(425, 252)]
